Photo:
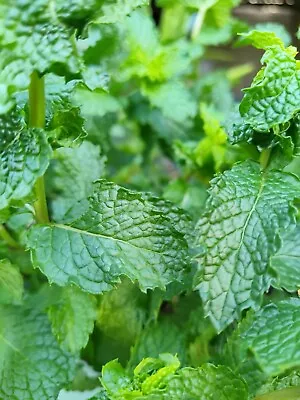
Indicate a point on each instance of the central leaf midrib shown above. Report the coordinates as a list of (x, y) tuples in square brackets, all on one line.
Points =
[(100, 235), (244, 231)]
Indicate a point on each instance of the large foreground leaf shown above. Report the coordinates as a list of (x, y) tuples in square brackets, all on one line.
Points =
[(118, 232), (239, 232), (24, 156), (32, 365)]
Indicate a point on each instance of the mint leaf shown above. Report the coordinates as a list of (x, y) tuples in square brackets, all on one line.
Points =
[(11, 283), (237, 129), (122, 312), (271, 99), (73, 167), (117, 233), (236, 256), (273, 336), (260, 39), (286, 261), (72, 318), (212, 146), (174, 100), (157, 338), (160, 379), (201, 383), (116, 11), (32, 364), (24, 155)]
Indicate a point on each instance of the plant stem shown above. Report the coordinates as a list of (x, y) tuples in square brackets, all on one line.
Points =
[(198, 22), (37, 120), (6, 236), (265, 158)]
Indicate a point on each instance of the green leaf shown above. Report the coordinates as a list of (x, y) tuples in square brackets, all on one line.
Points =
[(278, 29), (116, 11), (114, 378), (239, 230), (11, 283), (213, 145), (73, 167), (280, 383), (174, 100), (122, 312), (118, 232), (235, 355), (64, 122), (286, 261), (273, 336), (260, 39), (32, 365), (24, 155), (209, 381), (72, 317), (272, 98), (237, 129), (157, 338)]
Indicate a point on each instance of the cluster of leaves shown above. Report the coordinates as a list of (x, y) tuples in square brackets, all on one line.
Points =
[(111, 245)]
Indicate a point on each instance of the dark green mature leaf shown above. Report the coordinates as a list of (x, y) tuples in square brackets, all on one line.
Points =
[(157, 338), (273, 336), (239, 231), (11, 283), (73, 167), (24, 155), (273, 96), (237, 129), (72, 317), (32, 365), (286, 261), (118, 232)]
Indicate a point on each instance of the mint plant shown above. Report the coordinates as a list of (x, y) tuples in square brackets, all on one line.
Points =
[(149, 235)]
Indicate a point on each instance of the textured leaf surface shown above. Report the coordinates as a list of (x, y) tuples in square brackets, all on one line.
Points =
[(273, 96), (118, 233), (237, 129), (32, 365), (24, 156), (73, 168), (11, 283), (239, 232), (72, 318), (157, 379), (273, 336), (203, 383), (286, 262)]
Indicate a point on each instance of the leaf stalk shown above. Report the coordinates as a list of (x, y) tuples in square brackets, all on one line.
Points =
[(6, 236), (37, 120)]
